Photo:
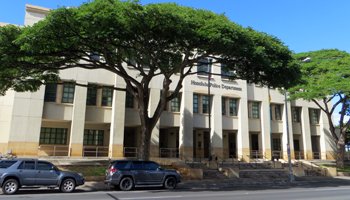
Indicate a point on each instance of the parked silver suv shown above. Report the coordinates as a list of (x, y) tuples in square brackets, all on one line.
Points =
[(129, 174), (16, 173)]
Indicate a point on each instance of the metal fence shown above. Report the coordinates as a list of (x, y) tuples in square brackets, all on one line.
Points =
[(130, 152), (169, 152), (53, 150), (95, 151)]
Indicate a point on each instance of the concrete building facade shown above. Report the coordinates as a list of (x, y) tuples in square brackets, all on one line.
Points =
[(246, 120)]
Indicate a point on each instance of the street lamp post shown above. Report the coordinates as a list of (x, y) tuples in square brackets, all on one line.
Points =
[(291, 176)]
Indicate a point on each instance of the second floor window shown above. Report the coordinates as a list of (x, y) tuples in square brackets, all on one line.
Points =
[(129, 100), (233, 107), (223, 105), (254, 110), (278, 112), (195, 103), (50, 92), (107, 96), (68, 93), (175, 104), (314, 116), (296, 114), (91, 95)]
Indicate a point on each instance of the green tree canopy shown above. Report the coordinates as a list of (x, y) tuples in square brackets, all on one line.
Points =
[(164, 40), (326, 81)]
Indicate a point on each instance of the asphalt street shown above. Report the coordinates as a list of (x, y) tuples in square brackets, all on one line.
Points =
[(319, 193)]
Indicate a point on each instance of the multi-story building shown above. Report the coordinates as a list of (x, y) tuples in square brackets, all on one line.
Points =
[(246, 120)]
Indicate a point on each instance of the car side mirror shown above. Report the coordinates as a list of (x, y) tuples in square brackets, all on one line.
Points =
[(54, 168), (160, 169)]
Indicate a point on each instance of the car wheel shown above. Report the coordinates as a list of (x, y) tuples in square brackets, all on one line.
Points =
[(10, 186), (67, 185), (170, 182), (126, 184)]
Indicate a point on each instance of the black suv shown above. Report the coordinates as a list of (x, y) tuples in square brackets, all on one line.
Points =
[(15, 173), (129, 174)]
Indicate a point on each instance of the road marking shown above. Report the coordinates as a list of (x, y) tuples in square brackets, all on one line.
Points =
[(154, 197)]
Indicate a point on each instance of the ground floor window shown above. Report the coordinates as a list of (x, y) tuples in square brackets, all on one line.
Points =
[(93, 137), (53, 136)]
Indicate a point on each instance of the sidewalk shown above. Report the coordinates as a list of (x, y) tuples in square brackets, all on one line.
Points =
[(243, 184)]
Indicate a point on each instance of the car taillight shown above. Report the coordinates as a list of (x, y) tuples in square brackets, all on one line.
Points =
[(112, 170)]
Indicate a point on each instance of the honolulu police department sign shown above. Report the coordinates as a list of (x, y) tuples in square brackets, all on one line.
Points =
[(214, 85)]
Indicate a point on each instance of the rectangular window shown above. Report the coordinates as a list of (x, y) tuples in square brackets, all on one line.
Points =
[(91, 95), (175, 104), (68, 92), (276, 144), (278, 112), (314, 116), (195, 103), (226, 73), (56, 136), (129, 100), (93, 137), (107, 96), (204, 67), (223, 105), (50, 92), (233, 107), (205, 104), (254, 110), (296, 114)]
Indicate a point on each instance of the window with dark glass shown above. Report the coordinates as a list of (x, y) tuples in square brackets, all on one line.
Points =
[(68, 93), (233, 107), (44, 166), (195, 103), (204, 67), (175, 104), (93, 137), (147, 165), (278, 112), (129, 100), (205, 104), (296, 114), (223, 105), (50, 92), (56, 136), (254, 110), (276, 144), (27, 165), (225, 72), (107, 96), (91, 95), (314, 116)]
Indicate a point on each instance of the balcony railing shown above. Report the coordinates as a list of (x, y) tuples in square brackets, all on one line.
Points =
[(299, 155), (53, 150), (95, 151), (256, 154), (169, 152), (316, 155), (130, 152), (276, 154)]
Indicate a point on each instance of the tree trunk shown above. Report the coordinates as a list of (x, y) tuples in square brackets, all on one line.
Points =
[(144, 150), (340, 150)]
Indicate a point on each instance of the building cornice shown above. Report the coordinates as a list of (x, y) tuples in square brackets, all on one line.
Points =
[(37, 9)]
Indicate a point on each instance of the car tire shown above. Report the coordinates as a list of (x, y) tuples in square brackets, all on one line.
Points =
[(126, 184), (67, 185), (10, 186), (170, 183)]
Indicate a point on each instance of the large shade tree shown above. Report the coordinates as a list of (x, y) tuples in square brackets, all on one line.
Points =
[(326, 81), (156, 40)]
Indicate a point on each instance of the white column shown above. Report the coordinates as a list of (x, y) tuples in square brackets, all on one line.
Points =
[(153, 103), (78, 121), (186, 126), (243, 144), (116, 141), (216, 127), (327, 145), (306, 133), (290, 130), (266, 128)]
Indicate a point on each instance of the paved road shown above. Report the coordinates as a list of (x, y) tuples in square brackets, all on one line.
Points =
[(310, 193)]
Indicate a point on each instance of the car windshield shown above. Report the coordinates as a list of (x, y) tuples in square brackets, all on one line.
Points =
[(6, 163)]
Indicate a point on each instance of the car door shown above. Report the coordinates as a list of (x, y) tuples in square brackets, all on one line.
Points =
[(139, 173), (27, 172), (46, 174), (153, 172)]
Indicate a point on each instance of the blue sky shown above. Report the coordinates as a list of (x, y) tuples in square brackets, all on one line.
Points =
[(303, 25)]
